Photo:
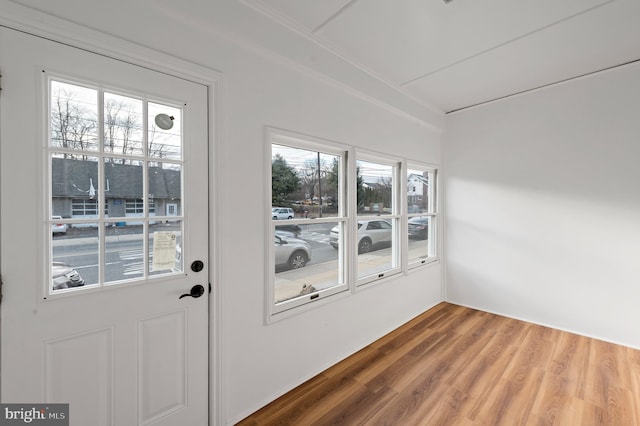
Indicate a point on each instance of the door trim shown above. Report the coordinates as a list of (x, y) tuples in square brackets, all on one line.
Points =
[(36, 23)]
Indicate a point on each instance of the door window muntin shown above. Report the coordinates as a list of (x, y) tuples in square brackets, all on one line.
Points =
[(92, 208)]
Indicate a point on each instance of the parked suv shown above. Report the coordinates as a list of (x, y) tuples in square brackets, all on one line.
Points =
[(281, 213), (372, 235), (291, 253)]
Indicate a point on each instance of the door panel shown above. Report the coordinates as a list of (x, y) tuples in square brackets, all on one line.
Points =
[(123, 348)]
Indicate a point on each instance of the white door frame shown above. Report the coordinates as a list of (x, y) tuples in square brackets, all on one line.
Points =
[(36, 23)]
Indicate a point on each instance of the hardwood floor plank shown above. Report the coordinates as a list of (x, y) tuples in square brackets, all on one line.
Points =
[(403, 372), (458, 366), (554, 401), (480, 378), (633, 355), (416, 399), (570, 360), (511, 402), (357, 409)]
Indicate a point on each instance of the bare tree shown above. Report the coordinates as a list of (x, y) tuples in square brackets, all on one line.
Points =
[(73, 125), (112, 110), (120, 125)]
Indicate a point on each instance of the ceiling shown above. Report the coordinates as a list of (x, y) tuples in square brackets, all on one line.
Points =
[(441, 56), (457, 54)]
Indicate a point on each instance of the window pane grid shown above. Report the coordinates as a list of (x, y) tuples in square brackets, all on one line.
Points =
[(370, 233), (307, 223), (421, 207), (101, 183)]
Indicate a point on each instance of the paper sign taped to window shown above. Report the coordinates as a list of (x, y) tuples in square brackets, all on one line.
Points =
[(164, 250)]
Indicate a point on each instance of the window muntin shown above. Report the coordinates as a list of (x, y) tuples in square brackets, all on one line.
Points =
[(372, 200), (377, 243), (109, 161), (421, 215), (307, 256)]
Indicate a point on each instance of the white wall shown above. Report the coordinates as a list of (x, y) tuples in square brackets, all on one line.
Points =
[(543, 206), (259, 362)]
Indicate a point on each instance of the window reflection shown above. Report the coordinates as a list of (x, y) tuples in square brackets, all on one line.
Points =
[(123, 122), (418, 191), (304, 260), (375, 188), (376, 252), (305, 181), (421, 217), (378, 220), (116, 204), (74, 117), (75, 256)]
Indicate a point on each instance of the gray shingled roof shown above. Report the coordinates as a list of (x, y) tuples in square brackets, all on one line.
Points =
[(71, 178)]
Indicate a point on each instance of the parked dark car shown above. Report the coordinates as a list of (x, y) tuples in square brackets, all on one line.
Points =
[(419, 228), (64, 276), (294, 230)]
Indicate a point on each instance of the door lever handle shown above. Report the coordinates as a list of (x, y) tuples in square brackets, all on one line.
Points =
[(196, 291)]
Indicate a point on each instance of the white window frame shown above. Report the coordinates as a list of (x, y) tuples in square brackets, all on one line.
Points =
[(348, 218), (432, 212), (99, 220), (284, 309), (396, 218)]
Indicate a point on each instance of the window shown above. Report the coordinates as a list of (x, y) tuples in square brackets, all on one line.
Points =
[(421, 209), (339, 221), (109, 161), (135, 206), (84, 207), (377, 243), (308, 221)]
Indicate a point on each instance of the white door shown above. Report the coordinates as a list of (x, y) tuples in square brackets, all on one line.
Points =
[(92, 316)]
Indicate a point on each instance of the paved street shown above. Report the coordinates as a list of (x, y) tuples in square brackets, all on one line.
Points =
[(123, 251), (124, 256)]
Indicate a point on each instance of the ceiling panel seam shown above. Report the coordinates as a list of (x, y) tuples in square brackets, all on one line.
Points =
[(334, 16), (544, 86), (500, 45), (277, 17)]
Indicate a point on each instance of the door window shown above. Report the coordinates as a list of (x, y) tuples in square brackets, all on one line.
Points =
[(113, 157)]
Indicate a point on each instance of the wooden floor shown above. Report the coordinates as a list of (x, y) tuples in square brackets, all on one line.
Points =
[(458, 366)]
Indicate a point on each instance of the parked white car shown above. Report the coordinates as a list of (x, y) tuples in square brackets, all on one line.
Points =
[(372, 235), (64, 276), (58, 228), (291, 253), (278, 213)]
